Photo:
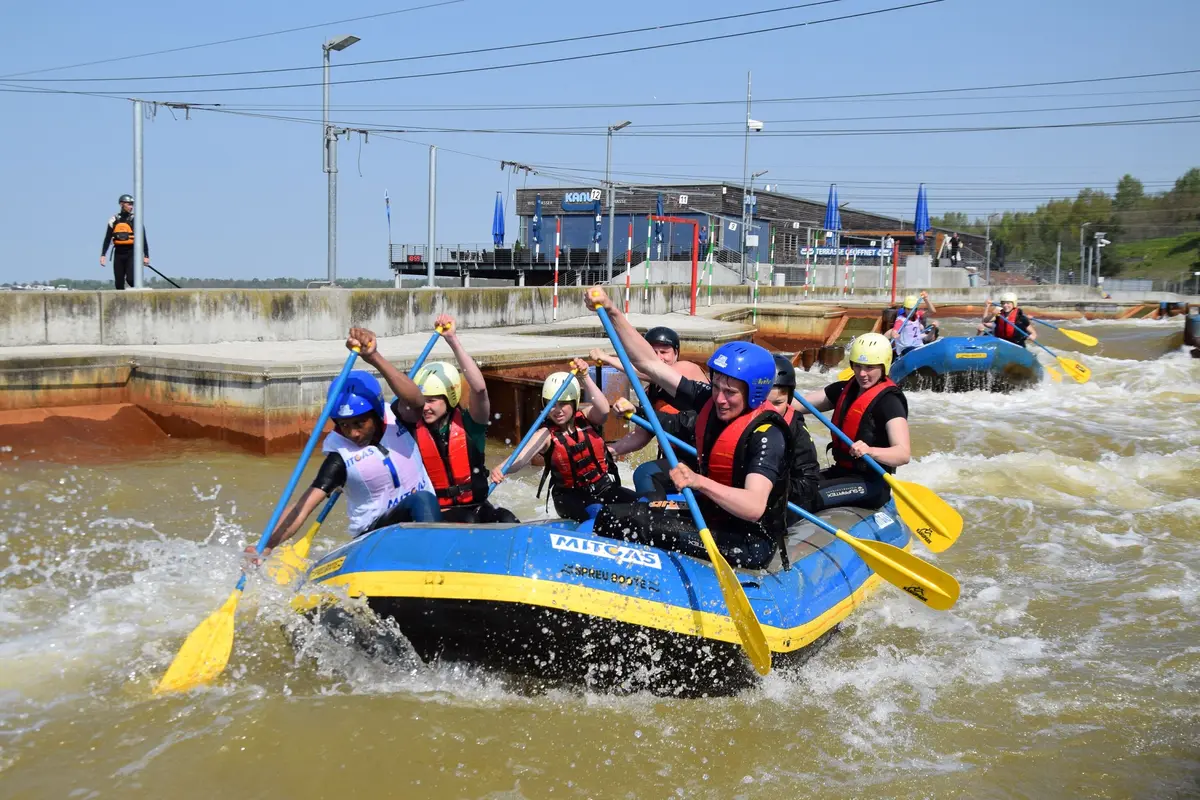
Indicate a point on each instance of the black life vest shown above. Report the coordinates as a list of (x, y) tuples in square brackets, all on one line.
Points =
[(856, 418), (455, 468)]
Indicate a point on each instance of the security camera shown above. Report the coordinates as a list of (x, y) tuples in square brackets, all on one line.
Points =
[(754, 125)]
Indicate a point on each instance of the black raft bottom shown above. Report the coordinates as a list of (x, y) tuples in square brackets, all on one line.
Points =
[(543, 648)]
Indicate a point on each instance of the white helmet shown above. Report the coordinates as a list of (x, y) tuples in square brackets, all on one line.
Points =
[(557, 379), (1009, 297)]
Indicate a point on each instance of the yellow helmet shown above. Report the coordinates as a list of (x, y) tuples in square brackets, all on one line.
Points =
[(557, 379), (440, 378), (910, 302), (1009, 297), (872, 348)]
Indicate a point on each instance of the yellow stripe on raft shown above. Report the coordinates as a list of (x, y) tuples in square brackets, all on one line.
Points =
[(580, 600)]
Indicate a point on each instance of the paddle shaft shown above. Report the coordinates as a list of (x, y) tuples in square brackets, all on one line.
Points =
[(664, 442), (329, 504), (302, 462), (837, 432), (424, 354), (164, 277), (533, 429)]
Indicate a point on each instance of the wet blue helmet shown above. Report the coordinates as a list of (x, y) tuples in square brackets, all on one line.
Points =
[(360, 394), (748, 363)]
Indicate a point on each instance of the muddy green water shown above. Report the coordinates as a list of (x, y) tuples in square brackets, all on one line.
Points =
[(1069, 668)]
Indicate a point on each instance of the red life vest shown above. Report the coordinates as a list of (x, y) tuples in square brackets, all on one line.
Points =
[(719, 461), (1006, 327), (789, 414), (579, 458), (451, 468), (849, 418)]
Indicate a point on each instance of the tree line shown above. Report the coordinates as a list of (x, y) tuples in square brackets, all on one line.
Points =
[(1130, 214)]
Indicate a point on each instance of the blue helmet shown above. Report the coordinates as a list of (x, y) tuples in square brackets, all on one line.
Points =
[(360, 394), (749, 363)]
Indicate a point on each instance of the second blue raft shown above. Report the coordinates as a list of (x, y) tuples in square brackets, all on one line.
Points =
[(966, 363)]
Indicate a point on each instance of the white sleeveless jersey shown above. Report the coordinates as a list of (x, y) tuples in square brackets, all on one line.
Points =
[(379, 478), (911, 334)]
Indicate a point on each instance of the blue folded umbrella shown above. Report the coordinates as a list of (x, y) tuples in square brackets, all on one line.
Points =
[(498, 221)]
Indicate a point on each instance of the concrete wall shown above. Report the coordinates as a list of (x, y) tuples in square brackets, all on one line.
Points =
[(206, 316)]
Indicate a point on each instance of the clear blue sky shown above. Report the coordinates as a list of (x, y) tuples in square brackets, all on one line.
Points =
[(241, 196)]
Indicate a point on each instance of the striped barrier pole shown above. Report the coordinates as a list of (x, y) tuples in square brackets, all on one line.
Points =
[(557, 244)]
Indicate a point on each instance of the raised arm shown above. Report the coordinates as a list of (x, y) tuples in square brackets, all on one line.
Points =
[(597, 412), (407, 392), (929, 302), (641, 354), (479, 404)]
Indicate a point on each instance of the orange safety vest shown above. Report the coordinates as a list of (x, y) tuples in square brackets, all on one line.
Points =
[(855, 421), (122, 232), (451, 466), (579, 458)]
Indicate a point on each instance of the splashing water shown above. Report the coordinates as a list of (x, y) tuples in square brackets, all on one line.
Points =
[(1069, 667)]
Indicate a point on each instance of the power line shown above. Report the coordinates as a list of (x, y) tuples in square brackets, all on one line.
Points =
[(586, 106), (220, 42), (671, 126), (562, 59), (476, 51)]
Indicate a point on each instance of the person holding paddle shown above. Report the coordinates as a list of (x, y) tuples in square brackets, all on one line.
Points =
[(368, 454), (651, 476), (577, 459), (452, 435), (1010, 324), (742, 443), (873, 413)]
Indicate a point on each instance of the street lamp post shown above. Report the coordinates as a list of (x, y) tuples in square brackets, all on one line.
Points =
[(987, 257), (753, 206), (1081, 248), (612, 195), (330, 152)]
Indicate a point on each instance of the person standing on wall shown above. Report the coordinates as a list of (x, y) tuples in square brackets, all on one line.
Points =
[(120, 235)]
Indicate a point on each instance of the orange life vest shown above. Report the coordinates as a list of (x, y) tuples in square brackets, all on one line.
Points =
[(849, 417), (718, 460), (122, 231), (453, 468), (579, 458)]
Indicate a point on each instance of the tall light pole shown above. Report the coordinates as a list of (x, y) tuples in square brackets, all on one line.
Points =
[(747, 214), (338, 43), (1081, 248), (987, 258), (612, 195), (753, 178)]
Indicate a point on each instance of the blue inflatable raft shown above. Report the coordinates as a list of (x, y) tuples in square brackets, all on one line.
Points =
[(553, 602), (964, 363)]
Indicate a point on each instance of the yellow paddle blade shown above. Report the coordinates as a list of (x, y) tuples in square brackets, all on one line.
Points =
[(204, 653), (289, 562), (932, 586), (1082, 338), (1078, 371), (931, 518), (754, 641), (846, 374), (1054, 374)]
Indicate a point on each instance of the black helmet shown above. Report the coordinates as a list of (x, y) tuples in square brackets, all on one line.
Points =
[(125, 198), (785, 373), (661, 335)]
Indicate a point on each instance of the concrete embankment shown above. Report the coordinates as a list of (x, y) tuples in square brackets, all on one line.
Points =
[(252, 367)]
